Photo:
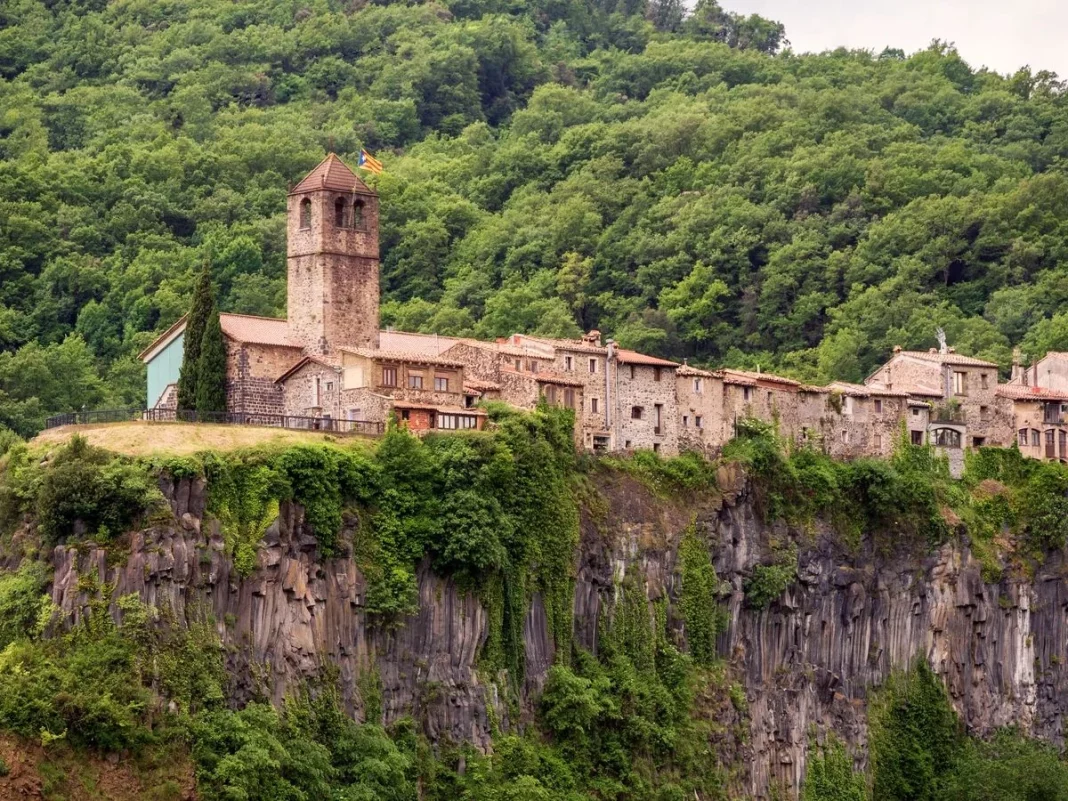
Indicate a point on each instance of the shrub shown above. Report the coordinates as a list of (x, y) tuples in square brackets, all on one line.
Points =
[(830, 775), (768, 582), (21, 600)]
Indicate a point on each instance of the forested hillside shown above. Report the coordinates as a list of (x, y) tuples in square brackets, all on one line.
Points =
[(688, 186)]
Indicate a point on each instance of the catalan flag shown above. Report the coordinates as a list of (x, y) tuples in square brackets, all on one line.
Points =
[(369, 162)]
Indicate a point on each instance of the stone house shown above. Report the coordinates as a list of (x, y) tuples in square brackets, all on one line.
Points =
[(699, 396), (1050, 372), (967, 411), (643, 407), (1040, 419)]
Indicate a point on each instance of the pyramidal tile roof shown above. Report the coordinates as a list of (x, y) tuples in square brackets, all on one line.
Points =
[(333, 174)]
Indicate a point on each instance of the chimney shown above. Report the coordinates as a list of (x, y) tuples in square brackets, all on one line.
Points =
[(592, 338), (933, 350), (897, 349), (1017, 369), (951, 350)]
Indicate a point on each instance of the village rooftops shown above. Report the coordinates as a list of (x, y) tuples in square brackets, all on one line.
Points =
[(864, 391), (334, 175), (545, 377), (633, 357), (1018, 392), (686, 371), (480, 385), (247, 329), (402, 356), (430, 344), (949, 357), (430, 407), (320, 360), (756, 378)]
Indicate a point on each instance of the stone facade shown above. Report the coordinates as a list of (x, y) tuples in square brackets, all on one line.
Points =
[(699, 395), (644, 404), (1040, 421), (332, 260), (251, 370)]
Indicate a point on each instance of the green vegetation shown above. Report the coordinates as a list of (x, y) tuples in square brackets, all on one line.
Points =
[(830, 775), (550, 167), (211, 367)]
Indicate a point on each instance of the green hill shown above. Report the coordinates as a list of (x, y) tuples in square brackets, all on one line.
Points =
[(685, 185)]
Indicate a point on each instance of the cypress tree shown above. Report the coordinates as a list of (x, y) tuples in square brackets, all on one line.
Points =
[(211, 368), (201, 310)]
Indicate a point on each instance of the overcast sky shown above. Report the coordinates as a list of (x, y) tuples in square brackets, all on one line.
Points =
[(1003, 35)]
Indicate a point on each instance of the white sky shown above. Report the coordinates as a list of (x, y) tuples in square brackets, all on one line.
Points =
[(1003, 35)]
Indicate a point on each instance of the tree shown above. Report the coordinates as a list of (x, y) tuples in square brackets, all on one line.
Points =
[(211, 368), (195, 325)]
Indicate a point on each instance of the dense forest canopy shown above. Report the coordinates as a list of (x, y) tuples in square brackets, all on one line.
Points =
[(681, 181)]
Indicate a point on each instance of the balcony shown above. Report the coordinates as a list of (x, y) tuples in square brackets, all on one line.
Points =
[(947, 413)]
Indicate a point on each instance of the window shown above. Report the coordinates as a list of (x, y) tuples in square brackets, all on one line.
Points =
[(593, 365), (569, 363), (697, 385), (355, 414), (659, 410), (633, 372), (415, 381), (1021, 437), (1035, 438), (917, 437), (339, 213), (656, 447), (635, 412), (686, 421), (745, 394), (947, 438), (982, 380), (960, 383), (550, 393), (593, 405), (317, 400), (518, 365), (329, 386), (305, 213), (877, 441), (389, 376), (569, 398), (845, 436), (357, 214), (453, 422), (627, 444), (441, 384), (984, 413), (916, 412), (697, 421), (978, 442), (656, 374), (878, 406), (532, 366)]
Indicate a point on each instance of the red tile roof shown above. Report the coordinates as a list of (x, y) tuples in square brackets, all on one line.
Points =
[(946, 358), (687, 370), (308, 360), (430, 344), (544, 377), (333, 174), (633, 357), (1018, 392), (402, 356), (479, 385), (862, 390), (252, 330), (770, 377), (403, 404)]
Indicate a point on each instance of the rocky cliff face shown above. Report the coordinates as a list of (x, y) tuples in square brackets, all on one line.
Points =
[(806, 663)]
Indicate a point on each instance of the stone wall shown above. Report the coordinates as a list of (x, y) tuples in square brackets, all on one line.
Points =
[(587, 365), (314, 391), (332, 273), (251, 372), (635, 387), (699, 396)]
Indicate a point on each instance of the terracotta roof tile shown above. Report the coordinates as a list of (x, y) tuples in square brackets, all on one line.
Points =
[(771, 377), (633, 357), (402, 356), (333, 174), (257, 330), (946, 358), (687, 370), (479, 385), (544, 377), (863, 390), (403, 404), (1018, 392), (307, 360), (430, 344)]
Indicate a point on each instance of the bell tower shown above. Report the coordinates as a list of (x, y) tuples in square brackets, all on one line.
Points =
[(332, 260)]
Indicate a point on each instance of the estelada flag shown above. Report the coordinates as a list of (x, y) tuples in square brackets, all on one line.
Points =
[(369, 162)]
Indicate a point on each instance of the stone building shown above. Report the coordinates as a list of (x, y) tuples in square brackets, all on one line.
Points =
[(1040, 418)]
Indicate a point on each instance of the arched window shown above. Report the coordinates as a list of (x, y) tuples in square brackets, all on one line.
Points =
[(339, 213), (305, 213), (947, 438), (357, 214)]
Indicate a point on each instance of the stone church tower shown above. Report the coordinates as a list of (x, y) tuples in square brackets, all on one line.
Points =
[(332, 260)]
